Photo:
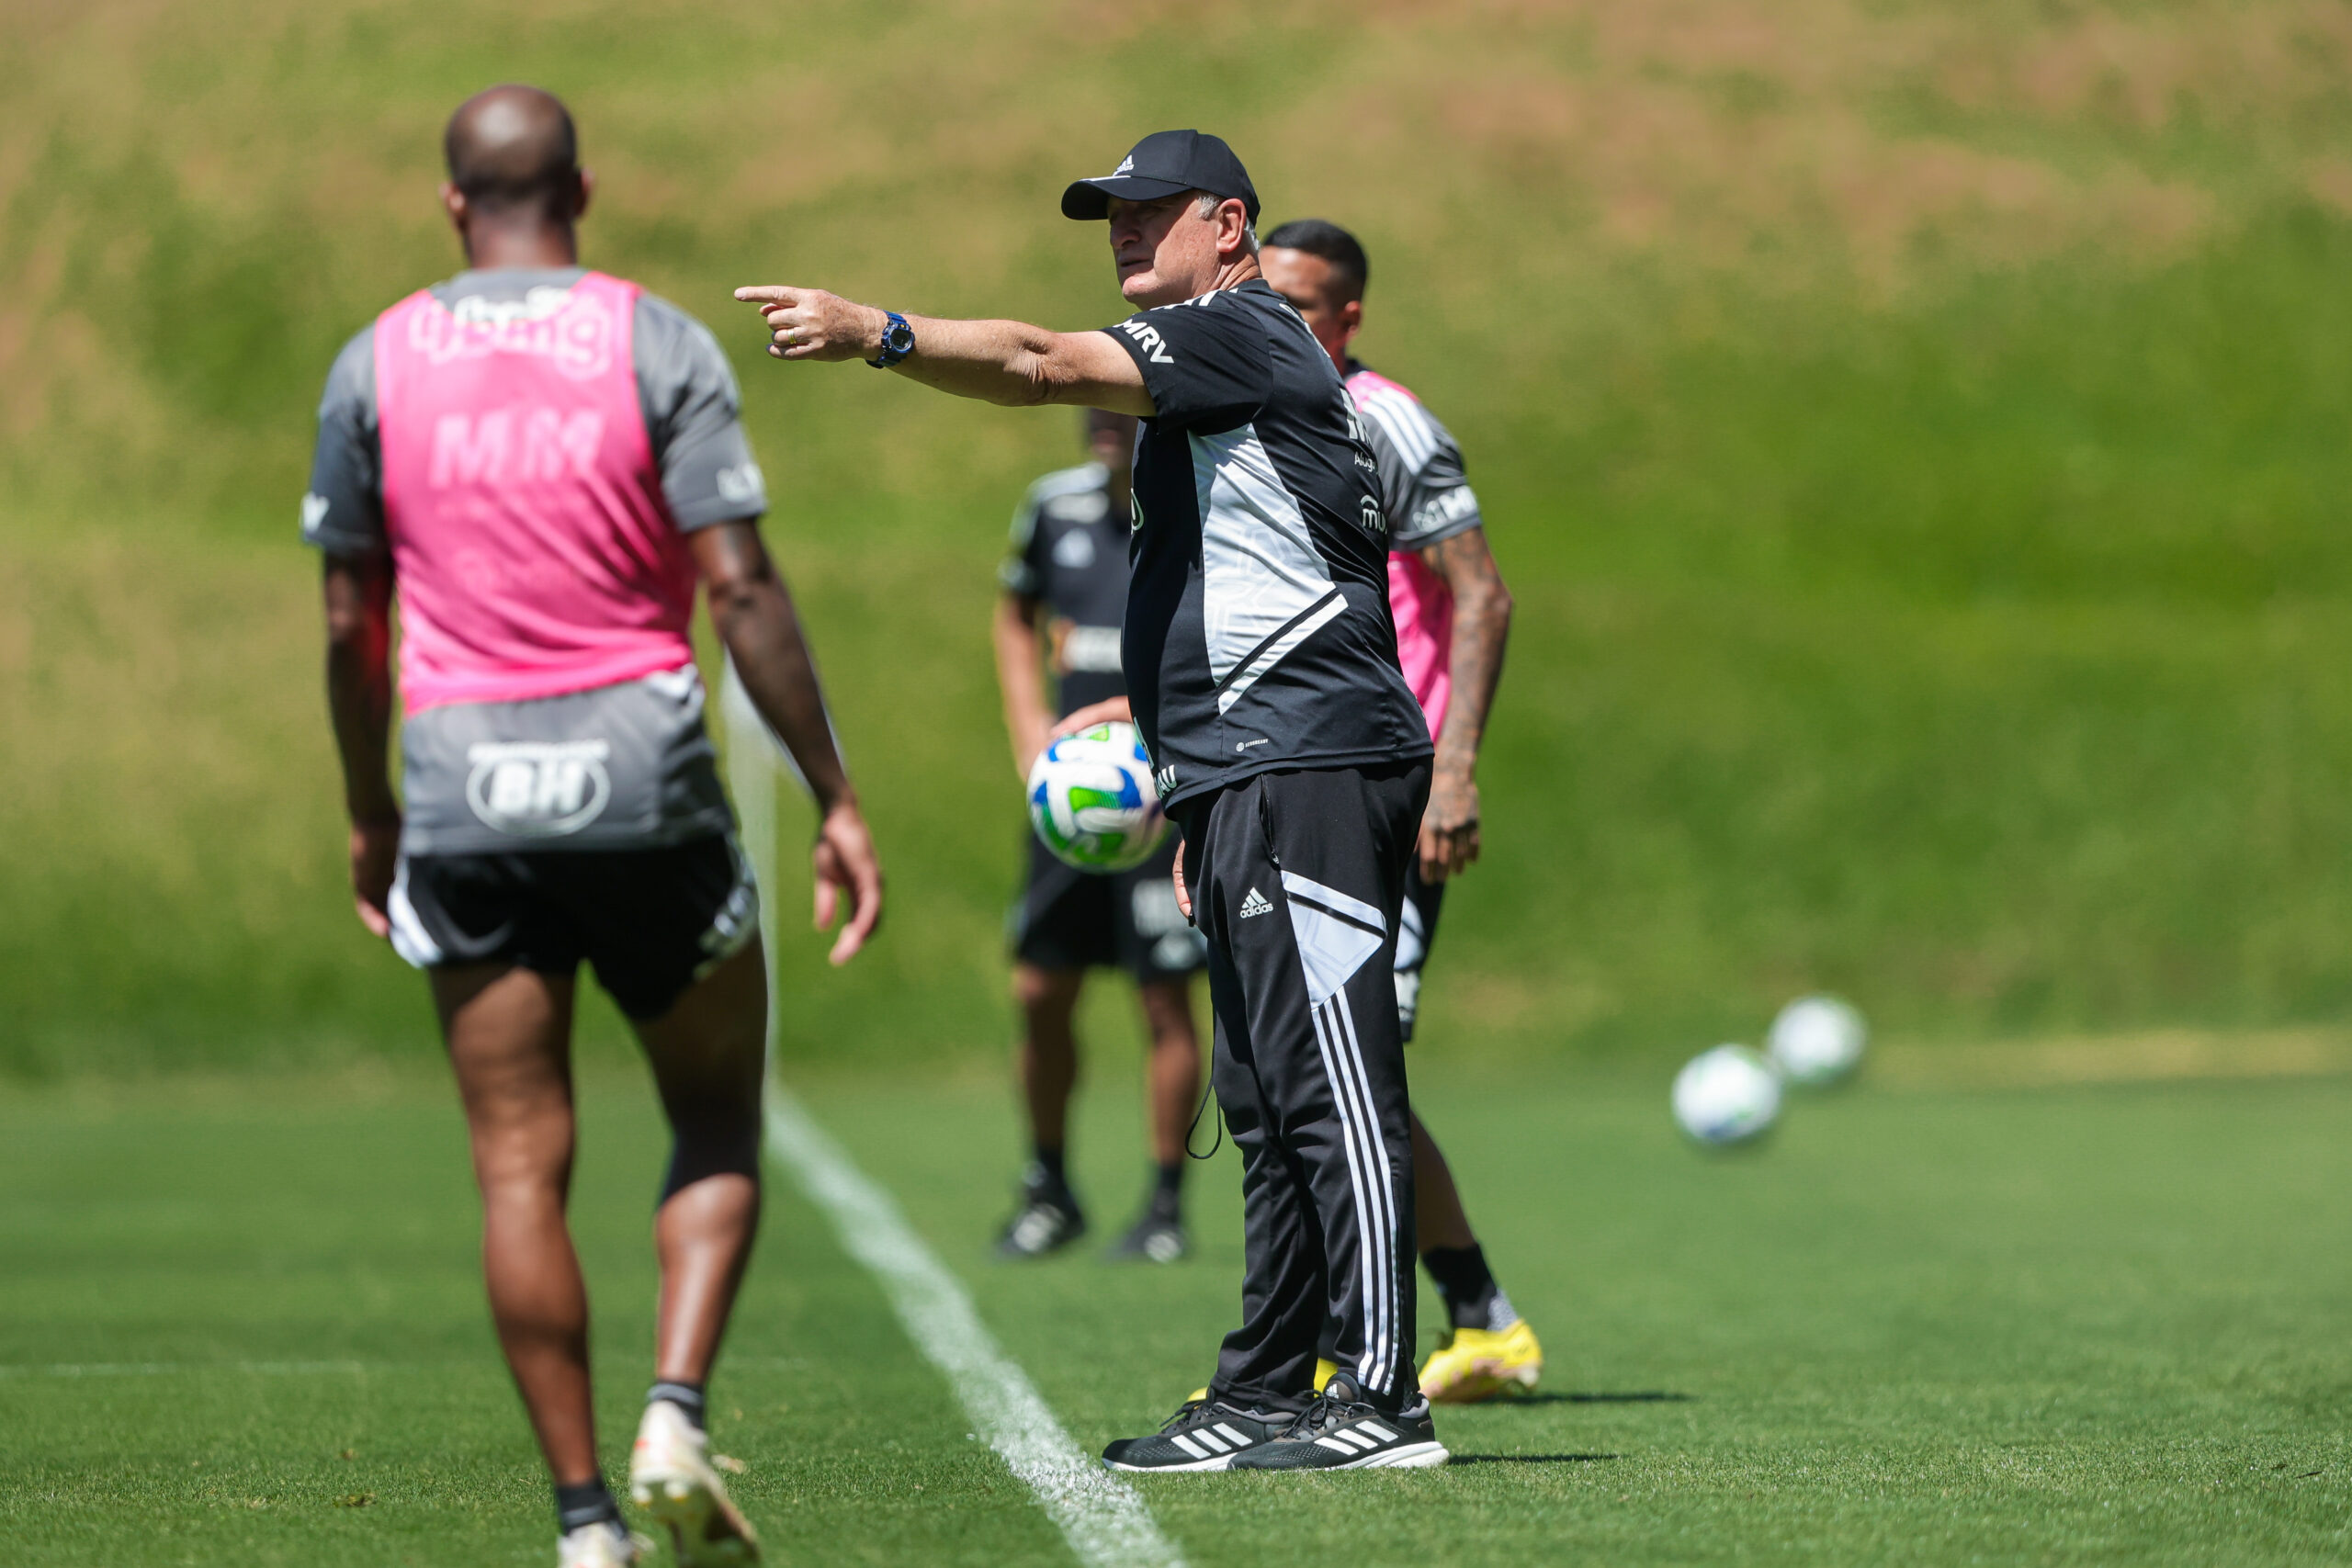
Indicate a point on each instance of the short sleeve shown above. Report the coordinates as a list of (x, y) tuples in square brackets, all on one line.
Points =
[(1023, 571), (693, 417), (343, 512), (1427, 494), (1207, 363)]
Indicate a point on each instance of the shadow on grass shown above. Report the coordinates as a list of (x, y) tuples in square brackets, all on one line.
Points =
[(1532, 1459)]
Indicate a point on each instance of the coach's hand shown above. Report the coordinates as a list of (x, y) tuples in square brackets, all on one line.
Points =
[(1449, 826), (1110, 710), (374, 855), (808, 323), (847, 869)]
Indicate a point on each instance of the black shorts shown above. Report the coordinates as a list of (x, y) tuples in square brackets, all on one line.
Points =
[(1416, 930), (1069, 919), (651, 922)]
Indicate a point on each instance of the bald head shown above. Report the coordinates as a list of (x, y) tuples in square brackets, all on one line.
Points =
[(513, 156)]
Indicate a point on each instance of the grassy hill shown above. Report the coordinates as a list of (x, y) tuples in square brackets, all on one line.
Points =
[(1913, 433)]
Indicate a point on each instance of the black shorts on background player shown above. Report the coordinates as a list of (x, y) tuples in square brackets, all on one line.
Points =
[(650, 921), (1069, 919)]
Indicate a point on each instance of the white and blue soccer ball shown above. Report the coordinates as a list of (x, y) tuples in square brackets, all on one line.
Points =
[(1092, 799), (1726, 1096), (1817, 1041)]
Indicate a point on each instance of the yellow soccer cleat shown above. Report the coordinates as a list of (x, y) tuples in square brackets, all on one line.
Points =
[(1475, 1364), (1323, 1370)]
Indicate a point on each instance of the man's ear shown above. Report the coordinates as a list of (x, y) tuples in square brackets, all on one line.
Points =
[(1351, 321), (453, 202), (580, 200), (1232, 224)]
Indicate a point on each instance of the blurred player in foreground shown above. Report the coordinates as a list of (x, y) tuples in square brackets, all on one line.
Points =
[(1453, 618), (540, 461), (1068, 569), (1260, 660)]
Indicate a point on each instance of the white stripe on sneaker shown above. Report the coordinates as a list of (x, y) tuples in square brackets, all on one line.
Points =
[(1238, 1439), (1215, 1444), (1184, 1441), (1375, 1430), (1335, 1447)]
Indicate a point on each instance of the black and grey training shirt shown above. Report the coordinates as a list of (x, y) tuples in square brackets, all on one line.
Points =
[(1258, 634)]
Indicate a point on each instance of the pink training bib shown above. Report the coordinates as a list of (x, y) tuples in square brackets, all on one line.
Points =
[(1419, 599), (532, 549)]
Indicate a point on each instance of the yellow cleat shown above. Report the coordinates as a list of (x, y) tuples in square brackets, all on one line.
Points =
[(1323, 1370), (1475, 1364)]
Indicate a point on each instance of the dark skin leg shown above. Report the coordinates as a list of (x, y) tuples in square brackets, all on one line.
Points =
[(1438, 1216), (1046, 1059), (1172, 1072), (509, 1035), (709, 1053)]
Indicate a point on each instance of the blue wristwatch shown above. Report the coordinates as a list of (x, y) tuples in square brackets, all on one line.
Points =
[(897, 342)]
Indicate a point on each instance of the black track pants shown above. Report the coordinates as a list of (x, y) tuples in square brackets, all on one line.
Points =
[(1296, 879)]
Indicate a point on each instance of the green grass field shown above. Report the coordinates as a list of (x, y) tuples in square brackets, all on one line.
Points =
[(241, 1326)]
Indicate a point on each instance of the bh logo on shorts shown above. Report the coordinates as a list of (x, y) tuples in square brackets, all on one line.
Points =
[(538, 788)]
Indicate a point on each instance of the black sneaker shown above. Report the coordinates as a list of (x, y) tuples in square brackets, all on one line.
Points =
[(1153, 1238), (1048, 1220), (1202, 1435), (1339, 1431)]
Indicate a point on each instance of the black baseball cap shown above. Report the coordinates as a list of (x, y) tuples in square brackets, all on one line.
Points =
[(1164, 164)]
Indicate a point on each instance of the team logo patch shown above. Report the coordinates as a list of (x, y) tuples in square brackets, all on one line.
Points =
[(537, 789), (1255, 903)]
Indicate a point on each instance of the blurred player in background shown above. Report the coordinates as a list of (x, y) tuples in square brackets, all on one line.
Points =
[(1452, 617), (540, 462), (1067, 578)]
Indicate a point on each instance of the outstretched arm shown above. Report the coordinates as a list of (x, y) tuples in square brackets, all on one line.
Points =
[(1481, 626), (358, 595), (998, 362), (753, 610)]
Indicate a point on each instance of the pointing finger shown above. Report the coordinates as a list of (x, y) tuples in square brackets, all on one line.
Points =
[(770, 293)]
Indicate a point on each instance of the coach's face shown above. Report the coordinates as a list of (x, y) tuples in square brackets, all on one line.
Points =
[(1166, 252)]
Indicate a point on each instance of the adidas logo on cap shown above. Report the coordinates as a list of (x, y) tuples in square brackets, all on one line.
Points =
[(1254, 903), (1126, 165)]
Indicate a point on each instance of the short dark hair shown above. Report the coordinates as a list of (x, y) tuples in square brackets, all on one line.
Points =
[(1350, 268), (513, 149)]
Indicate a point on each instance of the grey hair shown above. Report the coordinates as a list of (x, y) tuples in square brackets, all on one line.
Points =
[(1210, 201)]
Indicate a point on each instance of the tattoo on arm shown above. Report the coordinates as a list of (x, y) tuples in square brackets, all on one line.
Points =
[(1482, 608)]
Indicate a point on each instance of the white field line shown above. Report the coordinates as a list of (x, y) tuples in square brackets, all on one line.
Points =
[(1104, 1521), (1102, 1518)]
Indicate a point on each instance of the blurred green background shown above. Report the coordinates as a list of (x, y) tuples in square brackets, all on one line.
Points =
[(1914, 432)]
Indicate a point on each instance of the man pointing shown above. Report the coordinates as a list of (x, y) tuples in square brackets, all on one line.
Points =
[(1260, 660)]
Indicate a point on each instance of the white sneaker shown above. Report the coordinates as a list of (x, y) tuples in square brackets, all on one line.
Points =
[(600, 1546), (670, 1474)]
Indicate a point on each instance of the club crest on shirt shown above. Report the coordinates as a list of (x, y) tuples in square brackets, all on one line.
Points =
[(571, 330), (538, 788)]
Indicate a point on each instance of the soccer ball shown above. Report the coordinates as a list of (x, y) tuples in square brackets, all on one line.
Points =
[(1726, 1096), (1816, 1040), (1092, 800)]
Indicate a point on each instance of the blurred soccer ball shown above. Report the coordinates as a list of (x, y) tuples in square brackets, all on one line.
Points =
[(1816, 1040), (1092, 800), (1726, 1096)]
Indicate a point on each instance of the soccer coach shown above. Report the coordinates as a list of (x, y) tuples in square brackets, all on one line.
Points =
[(1261, 663)]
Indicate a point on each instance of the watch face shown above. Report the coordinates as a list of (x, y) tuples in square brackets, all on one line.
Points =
[(899, 338)]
